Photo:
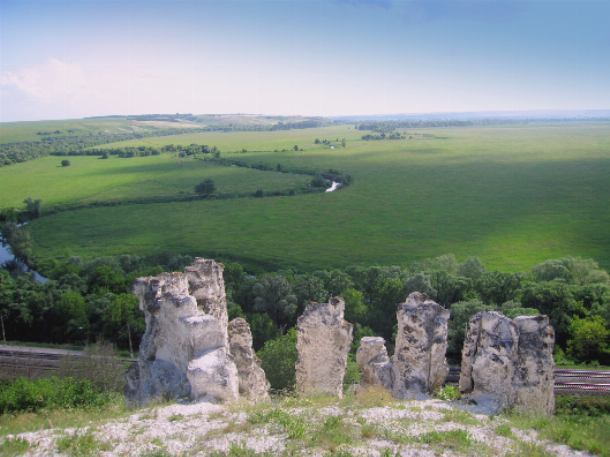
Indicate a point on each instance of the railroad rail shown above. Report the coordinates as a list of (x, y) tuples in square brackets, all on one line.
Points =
[(35, 362)]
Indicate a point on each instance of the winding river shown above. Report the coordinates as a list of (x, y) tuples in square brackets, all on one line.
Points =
[(6, 255), (335, 185)]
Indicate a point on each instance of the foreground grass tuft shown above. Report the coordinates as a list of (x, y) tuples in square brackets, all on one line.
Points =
[(580, 422), (14, 447), (456, 440), (504, 430), (62, 418), (81, 445), (530, 450), (332, 433), (293, 425)]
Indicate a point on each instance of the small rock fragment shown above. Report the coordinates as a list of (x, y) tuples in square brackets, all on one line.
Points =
[(374, 362)]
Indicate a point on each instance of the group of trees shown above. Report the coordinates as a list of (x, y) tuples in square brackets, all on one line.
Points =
[(388, 126), (59, 145), (305, 124), (574, 292), (85, 301), (383, 136), (329, 143), (145, 151), (205, 187)]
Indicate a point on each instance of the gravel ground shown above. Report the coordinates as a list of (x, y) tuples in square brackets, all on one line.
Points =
[(409, 428)]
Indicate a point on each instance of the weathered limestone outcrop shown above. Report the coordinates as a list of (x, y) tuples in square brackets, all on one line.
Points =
[(419, 364), (253, 383), (374, 363), (323, 342), (488, 360), (508, 362), (207, 285), (184, 351), (533, 379)]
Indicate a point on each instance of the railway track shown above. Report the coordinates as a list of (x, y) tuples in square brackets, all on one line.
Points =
[(567, 381), (21, 361), (37, 362)]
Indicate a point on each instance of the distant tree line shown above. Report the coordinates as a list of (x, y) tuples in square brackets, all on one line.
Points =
[(383, 136), (70, 145), (388, 126), (306, 124), (145, 151), (88, 300), (56, 143)]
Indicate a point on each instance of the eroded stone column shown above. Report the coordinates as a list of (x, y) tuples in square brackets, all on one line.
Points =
[(323, 342), (533, 379), (488, 361), (419, 363), (253, 383), (509, 363), (184, 351), (374, 362)]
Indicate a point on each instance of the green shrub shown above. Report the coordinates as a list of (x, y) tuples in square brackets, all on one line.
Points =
[(448, 393), (584, 405), (292, 424), (31, 395), (589, 339), (278, 357), (352, 372)]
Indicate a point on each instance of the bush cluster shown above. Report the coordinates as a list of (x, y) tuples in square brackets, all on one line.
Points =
[(32, 395)]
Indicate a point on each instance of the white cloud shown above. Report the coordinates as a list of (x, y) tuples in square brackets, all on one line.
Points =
[(49, 82)]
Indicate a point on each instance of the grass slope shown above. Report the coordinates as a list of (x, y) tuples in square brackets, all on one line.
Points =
[(512, 195)]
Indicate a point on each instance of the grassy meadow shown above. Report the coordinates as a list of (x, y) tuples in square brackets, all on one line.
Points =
[(512, 195), (28, 131), (89, 179)]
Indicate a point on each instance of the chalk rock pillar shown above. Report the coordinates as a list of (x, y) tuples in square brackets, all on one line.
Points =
[(419, 364), (323, 342), (488, 360), (533, 379), (253, 383), (374, 362), (184, 352)]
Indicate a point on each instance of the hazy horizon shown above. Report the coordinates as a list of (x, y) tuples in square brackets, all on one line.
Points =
[(69, 59)]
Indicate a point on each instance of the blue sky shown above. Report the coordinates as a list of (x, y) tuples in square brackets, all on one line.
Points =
[(62, 59)]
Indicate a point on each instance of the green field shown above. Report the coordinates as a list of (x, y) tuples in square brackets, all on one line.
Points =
[(513, 196), (91, 179), (28, 131)]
